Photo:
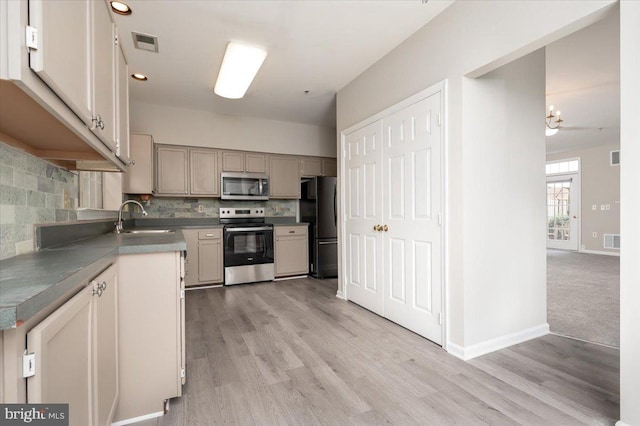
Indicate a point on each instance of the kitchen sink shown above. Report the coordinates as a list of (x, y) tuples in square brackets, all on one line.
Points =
[(148, 231)]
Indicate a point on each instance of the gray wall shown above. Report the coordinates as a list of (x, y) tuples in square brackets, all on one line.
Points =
[(599, 184), (31, 191)]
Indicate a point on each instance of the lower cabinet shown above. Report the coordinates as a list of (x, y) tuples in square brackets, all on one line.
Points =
[(203, 264), (291, 250), (75, 356), (151, 333)]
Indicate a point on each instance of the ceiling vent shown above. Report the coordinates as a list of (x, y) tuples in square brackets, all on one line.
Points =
[(614, 157), (145, 42)]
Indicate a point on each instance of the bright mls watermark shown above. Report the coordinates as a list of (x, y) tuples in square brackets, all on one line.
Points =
[(34, 414)]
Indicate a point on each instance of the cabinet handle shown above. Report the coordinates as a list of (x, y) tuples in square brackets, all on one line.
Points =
[(209, 235), (292, 232)]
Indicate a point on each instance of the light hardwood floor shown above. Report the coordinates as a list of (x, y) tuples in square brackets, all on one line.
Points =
[(290, 352)]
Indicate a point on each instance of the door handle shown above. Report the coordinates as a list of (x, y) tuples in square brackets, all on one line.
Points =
[(377, 228), (385, 228), (575, 217)]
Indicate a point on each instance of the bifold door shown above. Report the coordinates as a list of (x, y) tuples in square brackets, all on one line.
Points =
[(393, 223)]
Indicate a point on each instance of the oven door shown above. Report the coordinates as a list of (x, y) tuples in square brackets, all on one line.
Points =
[(248, 246)]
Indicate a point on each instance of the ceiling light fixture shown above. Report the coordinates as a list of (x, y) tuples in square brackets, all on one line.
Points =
[(239, 67), (139, 77), (553, 127), (120, 8)]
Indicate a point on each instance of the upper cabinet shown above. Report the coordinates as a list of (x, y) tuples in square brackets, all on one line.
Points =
[(122, 103), (184, 171), (204, 177), (103, 54), (139, 176), (284, 177), (172, 164), (238, 161), (62, 58), (329, 167), (71, 79), (311, 166)]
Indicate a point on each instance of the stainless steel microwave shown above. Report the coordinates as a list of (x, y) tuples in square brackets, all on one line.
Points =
[(244, 186)]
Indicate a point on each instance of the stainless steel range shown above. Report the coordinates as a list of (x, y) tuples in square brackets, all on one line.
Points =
[(248, 245)]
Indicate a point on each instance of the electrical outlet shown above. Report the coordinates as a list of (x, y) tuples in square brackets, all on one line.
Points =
[(594, 235), (200, 208), (594, 207), (607, 207), (602, 207)]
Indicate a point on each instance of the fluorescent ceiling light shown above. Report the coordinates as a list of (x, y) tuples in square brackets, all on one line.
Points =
[(239, 67)]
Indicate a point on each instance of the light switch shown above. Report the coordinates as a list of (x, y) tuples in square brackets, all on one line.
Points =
[(594, 235), (602, 207), (594, 207), (607, 207)]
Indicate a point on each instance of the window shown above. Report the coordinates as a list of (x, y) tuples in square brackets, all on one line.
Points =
[(563, 166)]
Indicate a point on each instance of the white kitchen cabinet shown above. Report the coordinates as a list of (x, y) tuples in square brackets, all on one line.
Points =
[(54, 81), (122, 103), (284, 177), (63, 56), (203, 264), (75, 354), (103, 54), (291, 250), (151, 333), (138, 178)]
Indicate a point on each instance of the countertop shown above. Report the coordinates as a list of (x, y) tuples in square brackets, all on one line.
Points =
[(31, 282)]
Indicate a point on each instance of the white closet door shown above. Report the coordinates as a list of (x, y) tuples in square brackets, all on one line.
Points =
[(412, 192), (363, 204)]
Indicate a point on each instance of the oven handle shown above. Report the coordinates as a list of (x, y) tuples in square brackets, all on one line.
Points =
[(255, 228)]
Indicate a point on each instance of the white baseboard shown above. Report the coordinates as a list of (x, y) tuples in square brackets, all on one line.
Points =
[(492, 345), (606, 253), (621, 423), (138, 419), (340, 295)]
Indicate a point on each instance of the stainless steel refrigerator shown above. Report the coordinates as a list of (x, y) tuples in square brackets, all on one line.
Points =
[(318, 207)]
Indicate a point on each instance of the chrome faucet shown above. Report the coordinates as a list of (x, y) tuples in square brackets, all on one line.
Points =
[(119, 222)]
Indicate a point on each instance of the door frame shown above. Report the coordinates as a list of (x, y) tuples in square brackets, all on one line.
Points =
[(578, 205), (444, 161)]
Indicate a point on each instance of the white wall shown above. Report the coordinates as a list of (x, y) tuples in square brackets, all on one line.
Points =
[(469, 37), (180, 126), (630, 217), (505, 279)]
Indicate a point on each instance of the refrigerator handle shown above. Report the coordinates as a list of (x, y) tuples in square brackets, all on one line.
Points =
[(335, 205)]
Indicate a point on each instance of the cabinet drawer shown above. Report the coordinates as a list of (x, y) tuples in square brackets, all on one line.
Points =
[(210, 234), (282, 231)]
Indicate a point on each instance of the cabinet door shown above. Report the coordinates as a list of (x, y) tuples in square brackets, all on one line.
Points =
[(105, 341), (62, 344), (204, 172), (284, 177), (122, 102), (210, 261), (103, 55), (329, 167), (232, 161), (291, 255), (191, 261), (62, 59), (255, 163), (139, 176), (311, 167), (171, 173)]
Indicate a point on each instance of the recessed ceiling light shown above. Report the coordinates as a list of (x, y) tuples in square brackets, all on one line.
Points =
[(139, 77), (239, 67), (120, 8)]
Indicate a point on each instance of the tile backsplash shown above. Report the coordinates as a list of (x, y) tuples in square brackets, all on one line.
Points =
[(31, 191), (190, 207)]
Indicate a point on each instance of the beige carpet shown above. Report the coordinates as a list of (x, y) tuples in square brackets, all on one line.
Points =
[(583, 296)]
